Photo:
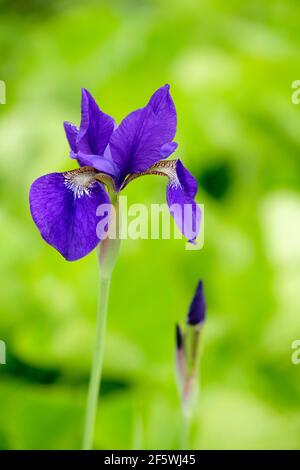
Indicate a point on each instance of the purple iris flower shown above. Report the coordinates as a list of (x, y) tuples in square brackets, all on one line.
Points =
[(64, 205)]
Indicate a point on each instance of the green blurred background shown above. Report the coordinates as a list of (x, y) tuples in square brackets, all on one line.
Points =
[(230, 66)]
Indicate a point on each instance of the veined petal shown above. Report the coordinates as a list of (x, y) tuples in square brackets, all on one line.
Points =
[(138, 142), (95, 129), (164, 108), (181, 190), (187, 181), (63, 206)]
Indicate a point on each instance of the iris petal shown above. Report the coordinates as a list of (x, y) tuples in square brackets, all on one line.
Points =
[(181, 191), (167, 149), (96, 127), (140, 139), (71, 134), (63, 206)]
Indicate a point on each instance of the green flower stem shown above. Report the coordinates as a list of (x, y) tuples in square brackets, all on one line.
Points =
[(95, 379), (108, 254), (190, 395)]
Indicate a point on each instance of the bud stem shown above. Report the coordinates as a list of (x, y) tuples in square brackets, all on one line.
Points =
[(185, 431), (188, 408)]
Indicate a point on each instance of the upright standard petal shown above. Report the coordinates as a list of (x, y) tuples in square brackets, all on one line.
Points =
[(96, 127), (142, 137), (71, 133), (63, 206)]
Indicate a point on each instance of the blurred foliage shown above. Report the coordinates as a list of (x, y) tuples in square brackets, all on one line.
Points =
[(230, 66)]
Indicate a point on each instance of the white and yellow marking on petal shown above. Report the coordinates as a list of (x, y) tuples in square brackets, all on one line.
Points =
[(80, 181), (162, 168)]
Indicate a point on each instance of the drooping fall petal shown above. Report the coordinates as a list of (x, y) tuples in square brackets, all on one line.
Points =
[(63, 206), (181, 191)]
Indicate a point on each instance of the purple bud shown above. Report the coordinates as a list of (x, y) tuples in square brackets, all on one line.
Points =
[(196, 313)]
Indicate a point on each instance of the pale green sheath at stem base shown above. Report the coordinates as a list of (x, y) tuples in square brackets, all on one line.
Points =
[(108, 254), (189, 382)]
